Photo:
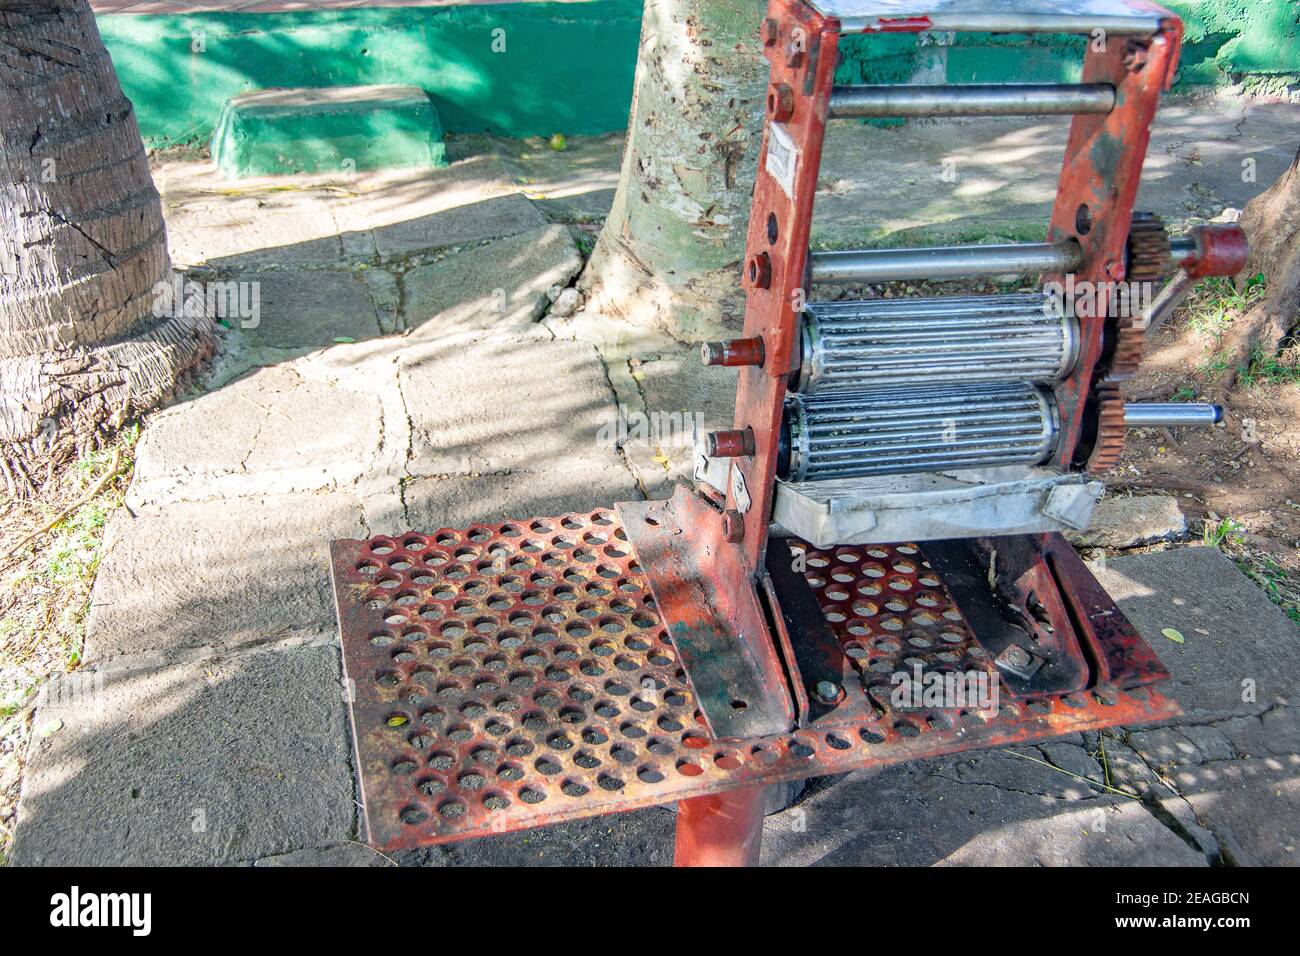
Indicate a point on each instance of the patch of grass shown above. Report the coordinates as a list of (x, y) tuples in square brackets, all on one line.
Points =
[(1215, 302), (1280, 369), (1221, 531), (1262, 370), (1185, 393), (1273, 580), (45, 595)]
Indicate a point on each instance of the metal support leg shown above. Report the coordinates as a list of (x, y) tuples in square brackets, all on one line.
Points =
[(722, 829)]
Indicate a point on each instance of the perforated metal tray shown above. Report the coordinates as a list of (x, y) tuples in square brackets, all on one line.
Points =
[(512, 675)]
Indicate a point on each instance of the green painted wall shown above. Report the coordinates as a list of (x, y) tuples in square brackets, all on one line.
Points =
[(565, 67), (568, 66)]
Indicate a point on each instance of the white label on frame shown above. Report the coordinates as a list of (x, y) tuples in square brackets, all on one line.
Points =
[(782, 158)]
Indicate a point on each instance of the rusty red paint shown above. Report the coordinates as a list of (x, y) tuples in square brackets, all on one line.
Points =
[(733, 353), (769, 312), (493, 689), (1221, 250), (721, 829), (1103, 164)]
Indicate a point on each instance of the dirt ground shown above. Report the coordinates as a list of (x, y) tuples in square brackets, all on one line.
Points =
[(1238, 483)]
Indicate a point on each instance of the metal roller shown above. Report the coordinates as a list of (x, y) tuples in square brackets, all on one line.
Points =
[(941, 340), (891, 431)]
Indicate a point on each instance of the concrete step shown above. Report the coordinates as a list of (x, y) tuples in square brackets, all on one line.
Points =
[(327, 129)]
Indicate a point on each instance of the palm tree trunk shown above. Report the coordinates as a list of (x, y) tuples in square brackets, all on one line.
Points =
[(82, 248), (669, 254)]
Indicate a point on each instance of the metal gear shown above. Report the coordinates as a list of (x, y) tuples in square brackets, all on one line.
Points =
[(1148, 248), (1148, 260)]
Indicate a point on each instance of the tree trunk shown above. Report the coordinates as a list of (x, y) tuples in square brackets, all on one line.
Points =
[(669, 254), (1271, 222), (82, 247)]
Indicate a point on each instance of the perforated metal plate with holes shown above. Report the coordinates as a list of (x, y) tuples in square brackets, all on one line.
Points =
[(514, 675)]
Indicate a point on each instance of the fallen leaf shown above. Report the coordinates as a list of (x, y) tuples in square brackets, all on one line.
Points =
[(1173, 635), (343, 339), (51, 727)]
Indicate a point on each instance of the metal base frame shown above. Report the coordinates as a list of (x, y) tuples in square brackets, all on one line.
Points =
[(518, 674)]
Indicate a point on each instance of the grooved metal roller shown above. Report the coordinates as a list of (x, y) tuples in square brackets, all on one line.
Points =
[(945, 339), (892, 431)]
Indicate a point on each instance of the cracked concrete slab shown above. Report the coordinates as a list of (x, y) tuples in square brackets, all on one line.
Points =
[(1252, 806), (214, 575), (482, 219), (680, 398), (1238, 777), (576, 184), (314, 309), (211, 761), (275, 430), (500, 285), (1240, 653), (433, 503), (339, 854), (507, 403), (980, 809)]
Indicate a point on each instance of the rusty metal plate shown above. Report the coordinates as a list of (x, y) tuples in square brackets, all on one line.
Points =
[(705, 595), (512, 675)]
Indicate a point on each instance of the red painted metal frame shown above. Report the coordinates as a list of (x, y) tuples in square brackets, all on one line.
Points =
[(801, 46), (513, 675), (1095, 195)]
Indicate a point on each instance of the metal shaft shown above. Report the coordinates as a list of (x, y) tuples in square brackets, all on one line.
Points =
[(1171, 414), (940, 339), (891, 431), (944, 262), (973, 99)]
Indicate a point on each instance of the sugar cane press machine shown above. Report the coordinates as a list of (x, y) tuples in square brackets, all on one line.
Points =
[(889, 502)]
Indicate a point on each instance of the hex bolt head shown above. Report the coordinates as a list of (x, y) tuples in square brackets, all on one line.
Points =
[(771, 31), (760, 271), (827, 691), (733, 526), (1017, 656)]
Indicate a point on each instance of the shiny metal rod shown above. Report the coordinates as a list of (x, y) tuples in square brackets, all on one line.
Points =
[(1171, 414), (972, 99), (944, 262)]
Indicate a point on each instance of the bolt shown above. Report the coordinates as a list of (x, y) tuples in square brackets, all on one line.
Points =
[(732, 443), (780, 103), (827, 691), (771, 31), (733, 352), (733, 526), (760, 271), (1017, 656)]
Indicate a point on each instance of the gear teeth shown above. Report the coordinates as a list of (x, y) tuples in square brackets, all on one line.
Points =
[(1148, 260), (1148, 248)]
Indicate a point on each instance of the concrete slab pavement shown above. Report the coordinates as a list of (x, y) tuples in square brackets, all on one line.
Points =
[(219, 760)]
